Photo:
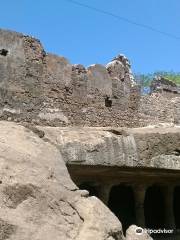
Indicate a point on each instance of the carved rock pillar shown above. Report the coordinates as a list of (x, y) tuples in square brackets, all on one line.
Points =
[(139, 195), (168, 193), (104, 192)]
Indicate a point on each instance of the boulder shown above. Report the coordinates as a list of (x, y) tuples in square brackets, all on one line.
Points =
[(38, 200), (137, 233)]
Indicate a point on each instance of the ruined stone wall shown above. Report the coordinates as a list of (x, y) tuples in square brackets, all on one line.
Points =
[(155, 108), (21, 89), (45, 89), (163, 103), (176, 110)]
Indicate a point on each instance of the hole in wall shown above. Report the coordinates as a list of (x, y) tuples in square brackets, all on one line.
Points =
[(108, 102), (3, 52)]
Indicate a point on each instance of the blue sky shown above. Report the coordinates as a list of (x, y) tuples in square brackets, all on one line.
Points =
[(87, 37)]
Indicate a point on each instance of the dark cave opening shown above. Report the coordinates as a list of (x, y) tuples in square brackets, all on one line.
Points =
[(154, 208), (122, 204), (177, 206)]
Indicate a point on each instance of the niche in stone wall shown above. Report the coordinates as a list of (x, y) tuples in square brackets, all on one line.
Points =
[(108, 102)]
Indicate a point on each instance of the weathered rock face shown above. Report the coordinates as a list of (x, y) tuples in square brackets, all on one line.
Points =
[(122, 163), (148, 147), (38, 200), (21, 69)]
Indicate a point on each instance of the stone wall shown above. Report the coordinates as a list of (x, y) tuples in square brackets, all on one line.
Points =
[(46, 89), (21, 88), (156, 108), (163, 103), (176, 109)]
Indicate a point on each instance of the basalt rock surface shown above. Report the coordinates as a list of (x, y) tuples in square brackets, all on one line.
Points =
[(147, 147), (38, 200)]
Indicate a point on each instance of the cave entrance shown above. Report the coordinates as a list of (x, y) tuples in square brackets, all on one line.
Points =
[(122, 204), (177, 206), (93, 191), (154, 208)]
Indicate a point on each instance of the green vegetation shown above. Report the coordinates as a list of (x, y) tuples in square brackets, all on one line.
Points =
[(175, 77), (145, 79)]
